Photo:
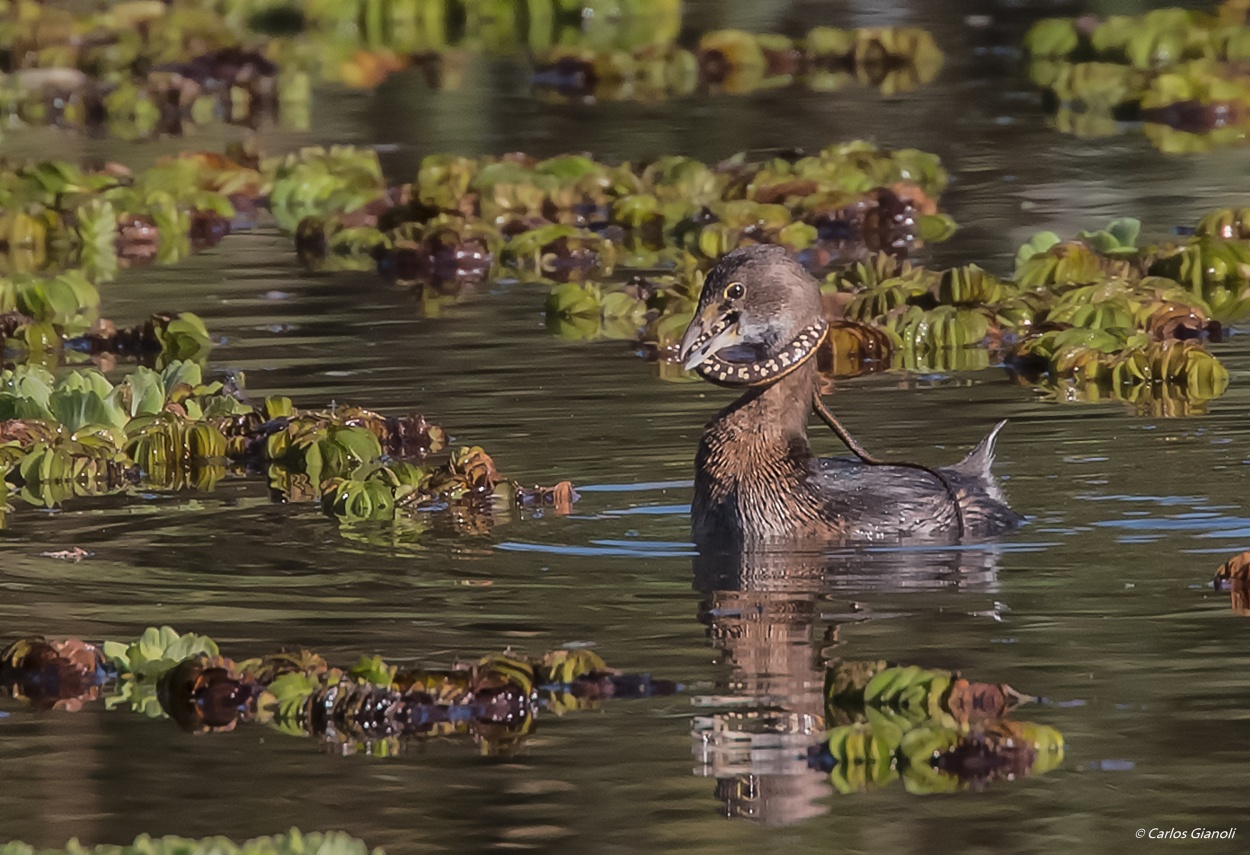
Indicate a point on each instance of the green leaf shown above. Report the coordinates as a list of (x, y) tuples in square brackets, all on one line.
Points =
[(359, 442), (141, 393), (372, 669), (278, 407), (573, 299), (181, 373), (1036, 245), (157, 650), (184, 338), (936, 228), (1125, 230), (76, 408)]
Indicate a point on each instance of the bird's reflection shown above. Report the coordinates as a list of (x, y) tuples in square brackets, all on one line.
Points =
[(763, 617), (764, 613)]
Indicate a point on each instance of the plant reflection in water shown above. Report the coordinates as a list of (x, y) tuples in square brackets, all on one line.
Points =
[(784, 691)]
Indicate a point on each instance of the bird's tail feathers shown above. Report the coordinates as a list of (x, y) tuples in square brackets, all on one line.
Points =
[(979, 461)]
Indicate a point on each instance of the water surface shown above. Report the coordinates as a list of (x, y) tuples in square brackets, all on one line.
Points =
[(1099, 606)]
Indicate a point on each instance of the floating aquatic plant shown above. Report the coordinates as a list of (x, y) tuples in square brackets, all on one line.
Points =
[(584, 226), (138, 70), (142, 69), (1180, 72), (238, 49), (57, 215), (68, 302), (80, 434), (369, 707), (321, 182), (1096, 317), (566, 218), (891, 59), (50, 319), (225, 86), (294, 842), (933, 729), (573, 211)]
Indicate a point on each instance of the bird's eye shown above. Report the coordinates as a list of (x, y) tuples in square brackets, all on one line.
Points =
[(735, 291)]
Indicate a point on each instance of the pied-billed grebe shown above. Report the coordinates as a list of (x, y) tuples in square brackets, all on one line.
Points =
[(757, 327)]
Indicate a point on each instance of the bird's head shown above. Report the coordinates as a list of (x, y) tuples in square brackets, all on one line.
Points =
[(759, 317)]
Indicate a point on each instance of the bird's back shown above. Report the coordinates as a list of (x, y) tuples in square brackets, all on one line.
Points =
[(894, 502)]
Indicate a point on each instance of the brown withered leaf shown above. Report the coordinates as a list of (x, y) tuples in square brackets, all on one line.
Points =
[(915, 196), (1234, 576), (560, 498), (26, 433), (269, 668), (208, 229), (848, 677), (365, 70), (477, 469), (782, 192), (206, 694), (851, 348), (1236, 568), (74, 555), (138, 237), (997, 751), (1176, 320), (57, 674), (10, 321), (399, 436), (412, 435), (450, 686), (968, 701), (888, 224)]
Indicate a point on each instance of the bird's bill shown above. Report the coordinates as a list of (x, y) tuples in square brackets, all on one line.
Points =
[(711, 331)]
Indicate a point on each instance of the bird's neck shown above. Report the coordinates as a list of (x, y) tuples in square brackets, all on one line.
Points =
[(753, 459), (773, 416)]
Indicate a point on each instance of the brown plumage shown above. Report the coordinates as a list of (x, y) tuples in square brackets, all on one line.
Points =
[(757, 482)]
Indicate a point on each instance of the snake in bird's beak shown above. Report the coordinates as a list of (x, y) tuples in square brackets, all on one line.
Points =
[(712, 330)]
